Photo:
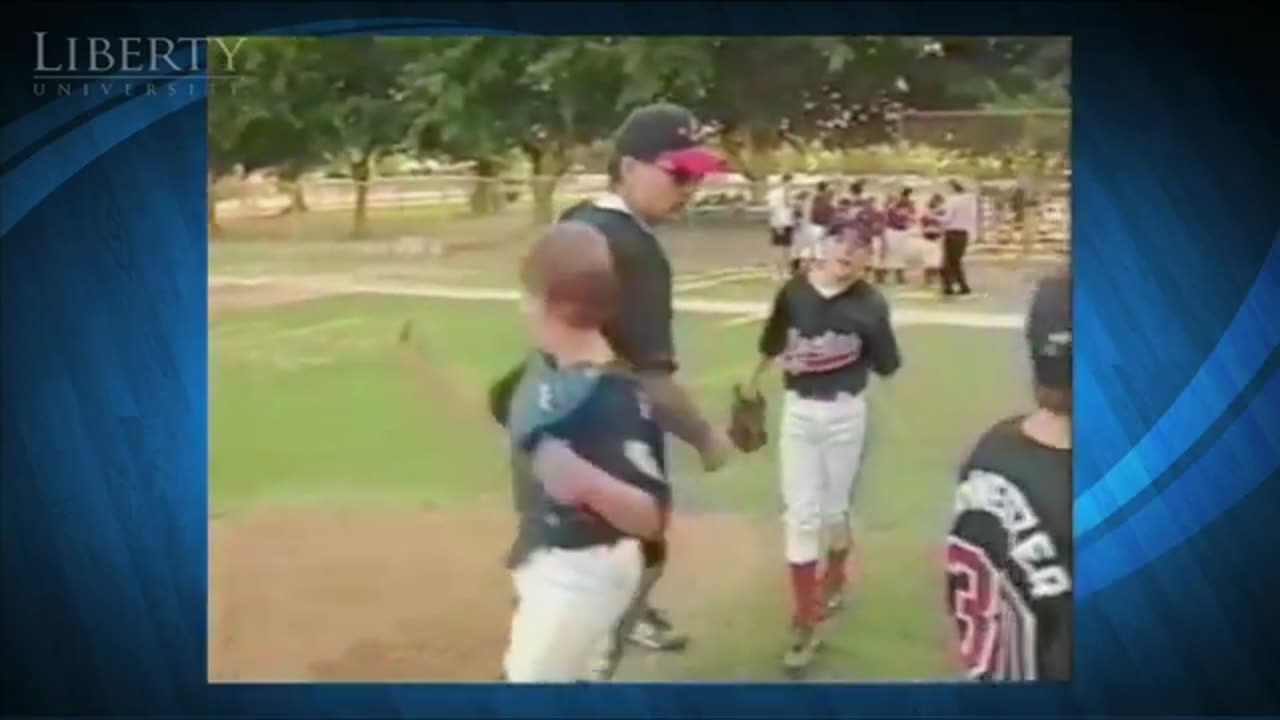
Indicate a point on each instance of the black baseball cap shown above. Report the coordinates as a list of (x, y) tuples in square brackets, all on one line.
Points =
[(1049, 332), (667, 135)]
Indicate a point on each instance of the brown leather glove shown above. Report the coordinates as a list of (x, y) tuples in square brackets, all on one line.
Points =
[(747, 421)]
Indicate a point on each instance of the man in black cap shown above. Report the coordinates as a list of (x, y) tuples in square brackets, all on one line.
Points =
[(1009, 553), (657, 165)]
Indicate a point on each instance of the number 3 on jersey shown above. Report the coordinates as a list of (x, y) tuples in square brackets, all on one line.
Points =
[(974, 602)]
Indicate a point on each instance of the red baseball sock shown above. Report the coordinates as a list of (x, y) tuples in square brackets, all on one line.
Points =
[(834, 578), (804, 588)]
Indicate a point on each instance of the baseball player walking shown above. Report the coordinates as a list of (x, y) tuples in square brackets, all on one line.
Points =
[(1009, 551), (656, 166), (782, 223), (588, 465), (931, 231), (960, 226), (899, 218), (828, 329)]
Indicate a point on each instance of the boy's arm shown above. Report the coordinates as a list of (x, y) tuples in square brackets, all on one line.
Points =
[(573, 481), (773, 340), (886, 358), (623, 481)]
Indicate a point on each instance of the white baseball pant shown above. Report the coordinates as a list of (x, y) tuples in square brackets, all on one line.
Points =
[(931, 252), (896, 248), (821, 450), (568, 604)]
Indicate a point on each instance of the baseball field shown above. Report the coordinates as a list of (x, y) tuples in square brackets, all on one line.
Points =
[(359, 518)]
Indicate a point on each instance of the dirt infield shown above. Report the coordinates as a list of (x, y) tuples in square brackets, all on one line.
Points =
[(411, 595)]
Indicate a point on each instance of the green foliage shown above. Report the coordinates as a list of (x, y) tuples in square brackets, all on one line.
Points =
[(478, 97), (545, 103)]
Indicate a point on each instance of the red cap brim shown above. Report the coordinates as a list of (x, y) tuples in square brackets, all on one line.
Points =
[(695, 161)]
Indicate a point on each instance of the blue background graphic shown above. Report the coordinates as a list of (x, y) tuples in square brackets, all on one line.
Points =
[(103, 514)]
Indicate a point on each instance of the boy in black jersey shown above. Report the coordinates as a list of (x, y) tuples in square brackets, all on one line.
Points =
[(588, 466), (1010, 566), (829, 329)]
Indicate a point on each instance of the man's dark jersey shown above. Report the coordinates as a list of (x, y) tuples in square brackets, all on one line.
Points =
[(1009, 558), (603, 416), (826, 345), (641, 332)]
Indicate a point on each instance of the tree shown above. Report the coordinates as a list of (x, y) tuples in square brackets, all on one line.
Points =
[(262, 118), (228, 116), (1006, 98), (972, 73), (316, 99), (456, 93), (542, 96), (761, 93), (356, 105), (226, 125)]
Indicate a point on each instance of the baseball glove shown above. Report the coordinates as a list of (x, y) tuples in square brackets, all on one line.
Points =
[(747, 421)]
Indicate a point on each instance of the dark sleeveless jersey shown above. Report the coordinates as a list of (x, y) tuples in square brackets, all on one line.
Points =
[(603, 416), (1010, 568), (827, 345), (640, 332)]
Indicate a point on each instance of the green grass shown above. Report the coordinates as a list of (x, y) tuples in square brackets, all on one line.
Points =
[(332, 225), (310, 404), (383, 222)]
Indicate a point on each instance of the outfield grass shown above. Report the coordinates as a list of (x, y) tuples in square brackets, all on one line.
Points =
[(310, 405), (382, 222), (329, 370)]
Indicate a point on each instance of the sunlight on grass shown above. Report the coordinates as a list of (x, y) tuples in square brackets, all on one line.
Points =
[(311, 405)]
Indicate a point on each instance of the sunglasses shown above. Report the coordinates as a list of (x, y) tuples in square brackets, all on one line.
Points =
[(680, 176)]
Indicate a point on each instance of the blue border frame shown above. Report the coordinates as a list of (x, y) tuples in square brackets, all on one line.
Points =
[(103, 504)]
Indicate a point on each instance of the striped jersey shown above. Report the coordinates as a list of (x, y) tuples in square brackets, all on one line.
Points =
[(1009, 558)]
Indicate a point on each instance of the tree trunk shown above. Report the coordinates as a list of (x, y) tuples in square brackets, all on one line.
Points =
[(762, 163), (486, 195), (360, 175), (297, 197), (544, 191), (289, 180), (751, 160), (547, 167)]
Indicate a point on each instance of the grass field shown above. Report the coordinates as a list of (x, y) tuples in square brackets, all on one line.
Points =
[(359, 522)]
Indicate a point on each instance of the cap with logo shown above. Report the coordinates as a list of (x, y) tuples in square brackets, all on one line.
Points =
[(1049, 332), (667, 135)]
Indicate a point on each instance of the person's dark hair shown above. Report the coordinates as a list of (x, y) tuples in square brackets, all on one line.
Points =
[(822, 186), (906, 193), (936, 199), (856, 187), (571, 269), (786, 177), (956, 186)]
